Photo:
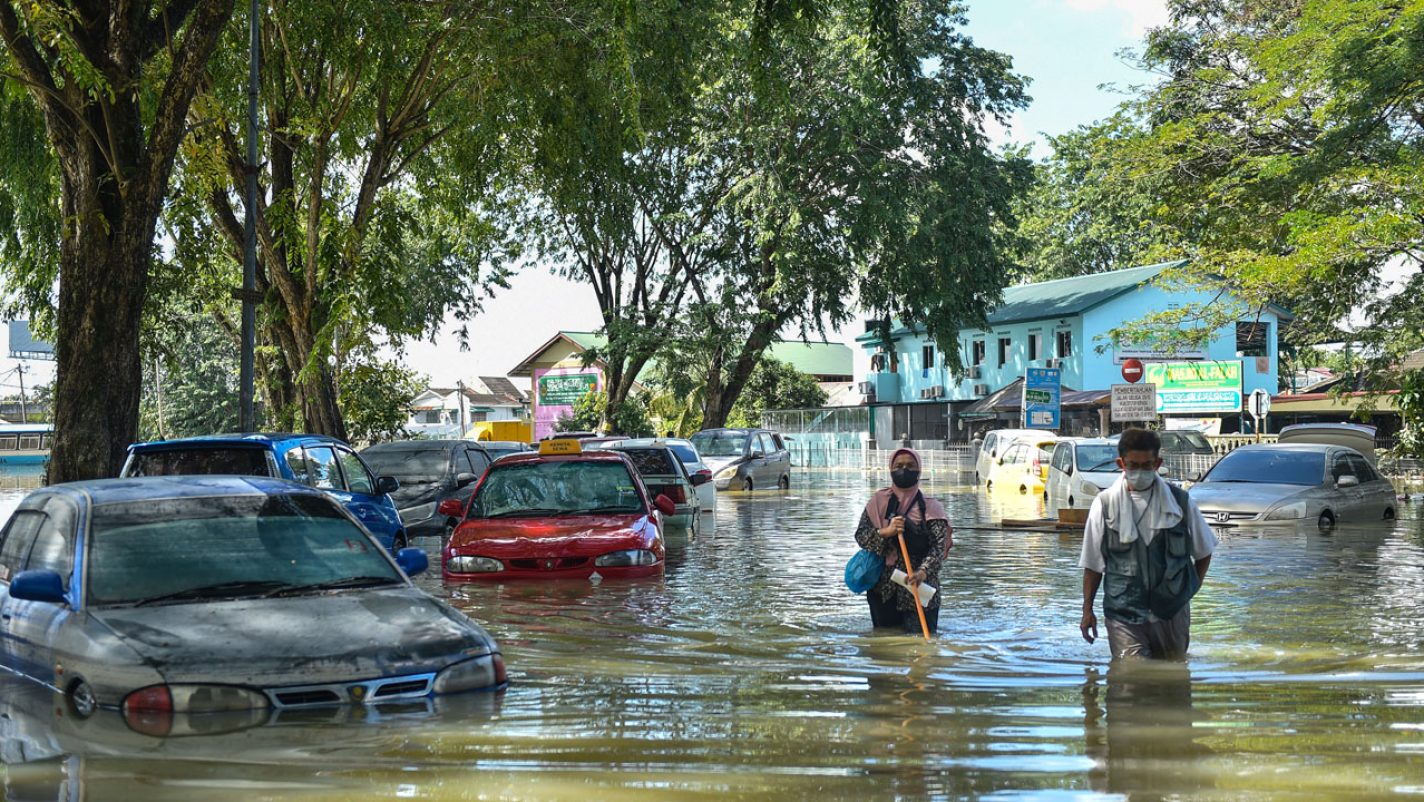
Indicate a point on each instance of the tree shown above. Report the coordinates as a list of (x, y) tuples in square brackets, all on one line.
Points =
[(191, 387), (775, 385), (590, 414), (1089, 212), (113, 86)]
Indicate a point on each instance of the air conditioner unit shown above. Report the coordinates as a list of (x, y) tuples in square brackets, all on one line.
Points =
[(976, 372), (981, 389), (937, 391), (1053, 363), (926, 393), (867, 388)]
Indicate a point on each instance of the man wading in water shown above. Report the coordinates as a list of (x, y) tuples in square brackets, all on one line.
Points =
[(1151, 543), (901, 510)]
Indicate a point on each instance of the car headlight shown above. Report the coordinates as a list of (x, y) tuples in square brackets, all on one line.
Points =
[(417, 513), (727, 473), (626, 559), (474, 565), (481, 672), (1287, 512)]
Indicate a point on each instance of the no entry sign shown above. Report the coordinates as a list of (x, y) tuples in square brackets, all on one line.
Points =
[(1132, 370)]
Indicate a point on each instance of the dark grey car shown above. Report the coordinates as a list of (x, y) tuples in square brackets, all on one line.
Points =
[(745, 459), (429, 471)]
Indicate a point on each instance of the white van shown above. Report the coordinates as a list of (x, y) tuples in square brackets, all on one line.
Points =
[(995, 444), (1081, 468)]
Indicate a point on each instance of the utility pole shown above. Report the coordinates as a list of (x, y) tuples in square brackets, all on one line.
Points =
[(249, 249), (461, 385), (24, 413)]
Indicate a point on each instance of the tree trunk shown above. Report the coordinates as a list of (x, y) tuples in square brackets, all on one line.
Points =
[(719, 408), (103, 277)]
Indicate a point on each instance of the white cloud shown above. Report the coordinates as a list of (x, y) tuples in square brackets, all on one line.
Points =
[(1139, 15)]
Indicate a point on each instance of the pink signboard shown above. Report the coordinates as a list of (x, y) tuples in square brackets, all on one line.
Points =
[(557, 390)]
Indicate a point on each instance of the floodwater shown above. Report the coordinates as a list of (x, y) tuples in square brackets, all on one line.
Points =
[(750, 672)]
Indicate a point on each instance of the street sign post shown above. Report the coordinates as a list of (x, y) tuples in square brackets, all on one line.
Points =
[(1134, 402), (1259, 405)]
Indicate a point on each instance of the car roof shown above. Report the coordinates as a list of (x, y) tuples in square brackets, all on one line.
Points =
[(655, 441), (501, 444), (250, 439), (732, 430), (1087, 441), (584, 456), (416, 445), (139, 488), (1321, 447)]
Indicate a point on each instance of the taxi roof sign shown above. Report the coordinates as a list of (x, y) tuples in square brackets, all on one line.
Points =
[(560, 447)]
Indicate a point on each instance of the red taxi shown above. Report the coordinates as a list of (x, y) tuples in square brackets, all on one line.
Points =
[(560, 513)]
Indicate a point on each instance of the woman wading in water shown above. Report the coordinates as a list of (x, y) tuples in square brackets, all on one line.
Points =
[(902, 511)]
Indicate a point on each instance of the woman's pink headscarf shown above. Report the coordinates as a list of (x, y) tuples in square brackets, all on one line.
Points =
[(879, 504)]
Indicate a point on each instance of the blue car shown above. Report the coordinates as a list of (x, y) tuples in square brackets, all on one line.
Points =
[(324, 463), (161, 596)]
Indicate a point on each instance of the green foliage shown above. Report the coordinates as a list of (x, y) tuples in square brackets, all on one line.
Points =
[(1411, 409), (190, 382), (775, 385), (375, 397), (592, 414), (29, 210)]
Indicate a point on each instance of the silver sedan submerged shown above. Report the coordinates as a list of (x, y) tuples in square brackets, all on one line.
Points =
[(209, 594), (1287, 483)]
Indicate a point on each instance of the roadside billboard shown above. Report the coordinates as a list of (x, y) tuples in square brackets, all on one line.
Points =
[(1041, 395), (1194, 387), (556, 390)]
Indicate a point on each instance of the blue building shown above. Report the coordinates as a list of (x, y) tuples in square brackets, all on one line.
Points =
[(1062, 324)]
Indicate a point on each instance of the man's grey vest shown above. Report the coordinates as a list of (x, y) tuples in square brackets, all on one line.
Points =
[(1159, 578)]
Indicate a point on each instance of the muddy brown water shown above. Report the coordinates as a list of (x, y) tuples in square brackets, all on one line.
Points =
[(750, 672)]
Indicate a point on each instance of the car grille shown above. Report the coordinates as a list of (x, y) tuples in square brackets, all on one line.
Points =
[(358, 692), (1223, 516), (548, 564)]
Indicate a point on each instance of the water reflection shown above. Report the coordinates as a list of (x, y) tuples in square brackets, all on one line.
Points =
[(748, 670)]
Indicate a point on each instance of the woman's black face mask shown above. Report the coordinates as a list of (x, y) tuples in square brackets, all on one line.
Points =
[(905, 478)]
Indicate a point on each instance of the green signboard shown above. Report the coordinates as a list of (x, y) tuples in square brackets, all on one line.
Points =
[(565, 390), (1196, 386)]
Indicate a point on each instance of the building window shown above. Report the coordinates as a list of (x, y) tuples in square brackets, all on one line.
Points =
[(1004, 345), (928, 355), (1065, 344), (1251, 339), (1033, 347), (979, 349)]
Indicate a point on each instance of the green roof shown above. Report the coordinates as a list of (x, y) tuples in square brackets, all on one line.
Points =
[(586, 339), (816, 359), (1071, 296)]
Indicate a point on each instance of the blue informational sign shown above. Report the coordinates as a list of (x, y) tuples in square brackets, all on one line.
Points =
[(1042, 392)]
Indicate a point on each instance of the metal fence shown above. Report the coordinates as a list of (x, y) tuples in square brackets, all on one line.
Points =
[(830, 420)]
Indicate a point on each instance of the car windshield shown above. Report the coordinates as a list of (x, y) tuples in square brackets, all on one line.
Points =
[(720, 444), (1184, 441), (224, 547), (687, 454), (652, 461), (556, 487), (409, 465), (1270, 466), (199, 461), (1098, 458)]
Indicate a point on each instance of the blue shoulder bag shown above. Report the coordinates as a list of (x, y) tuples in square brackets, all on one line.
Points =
[(863, 571)]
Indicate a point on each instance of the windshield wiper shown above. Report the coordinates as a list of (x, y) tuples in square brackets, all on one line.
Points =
[(244, 587), (1101, 465), (524, 511), (605, 508), (364, 581)]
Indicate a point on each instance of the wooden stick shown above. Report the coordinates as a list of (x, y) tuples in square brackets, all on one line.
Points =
[(914, 590)]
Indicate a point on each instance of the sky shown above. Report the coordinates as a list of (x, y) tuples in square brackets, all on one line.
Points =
[(1066, 48)]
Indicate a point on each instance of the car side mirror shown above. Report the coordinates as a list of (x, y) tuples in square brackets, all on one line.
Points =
[(38, 585), (413, 561), (758, 454), (1068, 470), (1345, 481), (665, 505), (451, 508), (464, 479), (386, 484)]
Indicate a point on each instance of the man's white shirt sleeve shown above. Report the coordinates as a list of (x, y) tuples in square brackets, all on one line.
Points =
[(1093, 529)]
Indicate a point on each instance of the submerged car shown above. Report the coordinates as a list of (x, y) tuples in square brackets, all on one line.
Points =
[(1023, 465), (561, 513), (157, 596), (686, 452), (314, 460), (429, 471), (663, 474), (1079, 470), (745, 459), (1284, 483)]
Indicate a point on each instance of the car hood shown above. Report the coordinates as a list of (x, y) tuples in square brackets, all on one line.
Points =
[(1103, 479), (716, 464), (581, 536), (1250, 497), (410, 495), (299, 640)]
